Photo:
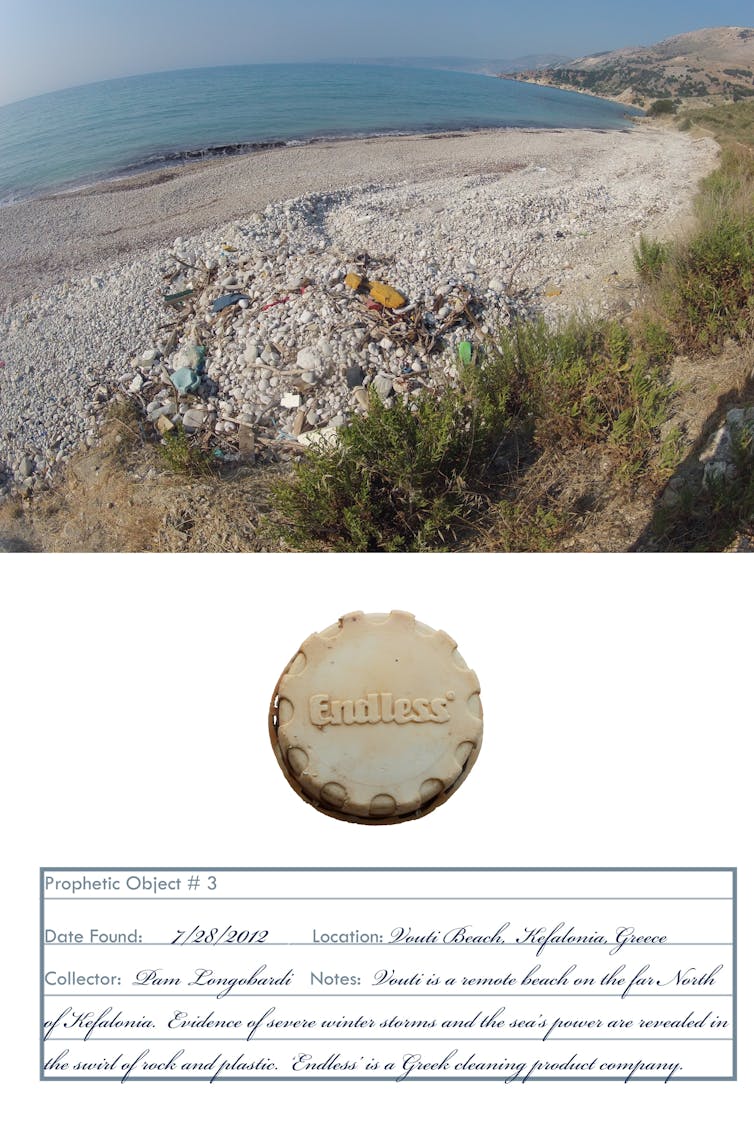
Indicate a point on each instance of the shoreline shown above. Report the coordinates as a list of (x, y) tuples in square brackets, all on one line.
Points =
[(177, 161), (49, 222), (532, 80), (551, 215), (172, 164)]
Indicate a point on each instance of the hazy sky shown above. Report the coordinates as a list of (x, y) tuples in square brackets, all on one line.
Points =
[(51, 44)]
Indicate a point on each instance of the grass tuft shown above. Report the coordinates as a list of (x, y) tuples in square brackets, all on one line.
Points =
[(181, 457), (702, 288)]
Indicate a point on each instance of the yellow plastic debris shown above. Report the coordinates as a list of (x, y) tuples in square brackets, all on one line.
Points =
[(387, 296), (380, 292)]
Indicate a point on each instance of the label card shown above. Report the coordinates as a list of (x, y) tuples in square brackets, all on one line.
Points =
[(516, 975)]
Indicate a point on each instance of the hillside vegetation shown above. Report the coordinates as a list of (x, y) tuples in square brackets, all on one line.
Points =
[(714, 63)]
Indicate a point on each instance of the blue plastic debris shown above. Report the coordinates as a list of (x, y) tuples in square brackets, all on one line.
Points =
[(185, 380), (226, 300)]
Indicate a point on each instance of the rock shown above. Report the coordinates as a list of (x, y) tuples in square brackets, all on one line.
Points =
[(194, 418), (136, 384), (326, 437), (308, 360), (163, 410), (164, 425), (717, 471), (354, 376), (149, 356), (26, 467), (290, 400), (720, 457), (304, 383), (270, 356), (188, 357), (383, 385), (361, 396), (496, 285), (718, 448)]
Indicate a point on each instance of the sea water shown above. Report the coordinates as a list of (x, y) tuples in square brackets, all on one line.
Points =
[(125, 126)]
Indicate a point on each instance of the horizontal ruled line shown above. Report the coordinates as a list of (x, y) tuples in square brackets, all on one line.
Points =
[(352, 995), (374, 1038), (239, 948), (401, 898), (305, 1078)]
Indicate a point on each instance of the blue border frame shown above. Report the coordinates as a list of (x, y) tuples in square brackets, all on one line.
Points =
[(389, 1079)]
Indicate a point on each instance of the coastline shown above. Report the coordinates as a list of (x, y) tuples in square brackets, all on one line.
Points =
[(550, 214), (45, 239), (532, 79)]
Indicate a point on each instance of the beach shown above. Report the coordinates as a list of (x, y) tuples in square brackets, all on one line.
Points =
[(547, 214)]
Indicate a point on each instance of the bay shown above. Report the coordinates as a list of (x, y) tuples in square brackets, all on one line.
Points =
[(125, 126)]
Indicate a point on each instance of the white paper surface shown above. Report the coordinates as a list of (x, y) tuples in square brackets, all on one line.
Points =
[(617, 699)]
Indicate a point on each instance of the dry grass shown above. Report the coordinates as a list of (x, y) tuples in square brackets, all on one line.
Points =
[(117, 498)]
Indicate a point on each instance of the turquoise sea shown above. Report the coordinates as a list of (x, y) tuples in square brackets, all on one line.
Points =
[(124, 126)]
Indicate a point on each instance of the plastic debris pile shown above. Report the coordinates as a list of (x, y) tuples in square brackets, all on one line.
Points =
[(263, 351)]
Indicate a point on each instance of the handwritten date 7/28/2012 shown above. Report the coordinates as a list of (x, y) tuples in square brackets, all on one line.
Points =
[(214, 935)]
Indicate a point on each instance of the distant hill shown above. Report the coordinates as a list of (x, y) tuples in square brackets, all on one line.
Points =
[(713, 63), (464, 63)]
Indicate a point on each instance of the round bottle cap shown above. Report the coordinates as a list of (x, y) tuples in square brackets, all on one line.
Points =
[(377, 719)]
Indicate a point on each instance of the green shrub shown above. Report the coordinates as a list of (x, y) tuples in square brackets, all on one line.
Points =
[(703, 286), (414, 474), (728, 122), (707, 292), (661, 106), (649, 258), (654, 341), (404, 476), (181, 456), (587, 383), (528, 529)]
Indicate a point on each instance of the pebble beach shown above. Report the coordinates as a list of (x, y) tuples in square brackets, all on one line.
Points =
[(474, 229)]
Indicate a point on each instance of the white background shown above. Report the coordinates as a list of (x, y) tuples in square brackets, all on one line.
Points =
[(618, 731)]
